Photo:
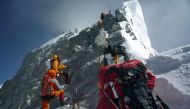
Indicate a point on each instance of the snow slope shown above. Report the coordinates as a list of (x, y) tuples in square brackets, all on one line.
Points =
[(179, 77), (181, 53), (172, 69)]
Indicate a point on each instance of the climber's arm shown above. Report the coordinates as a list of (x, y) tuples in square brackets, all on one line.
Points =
[(60, 87)]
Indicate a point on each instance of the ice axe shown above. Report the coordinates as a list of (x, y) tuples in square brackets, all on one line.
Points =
[(116, 51), (67, 78)]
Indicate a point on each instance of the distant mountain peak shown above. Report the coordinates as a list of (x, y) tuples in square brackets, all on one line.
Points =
[(179, 52)]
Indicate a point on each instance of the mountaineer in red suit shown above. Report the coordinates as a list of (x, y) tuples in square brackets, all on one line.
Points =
[(127, 85)]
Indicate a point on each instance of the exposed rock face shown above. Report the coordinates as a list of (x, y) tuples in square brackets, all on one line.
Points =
[(82, 52), (119, 14)]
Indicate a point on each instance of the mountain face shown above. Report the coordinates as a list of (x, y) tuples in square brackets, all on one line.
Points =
[(82, 51), (173, 72)]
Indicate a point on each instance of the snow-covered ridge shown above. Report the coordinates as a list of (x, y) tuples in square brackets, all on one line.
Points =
[(133, 30), (67, 35), (179, 52)]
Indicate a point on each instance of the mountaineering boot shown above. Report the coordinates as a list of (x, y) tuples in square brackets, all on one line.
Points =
[(62, 103)]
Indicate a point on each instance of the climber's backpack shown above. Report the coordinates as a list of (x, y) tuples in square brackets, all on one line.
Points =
[(123, 80), (130, 85), (45, 88)]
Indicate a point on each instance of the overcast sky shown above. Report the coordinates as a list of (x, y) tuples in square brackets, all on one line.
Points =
[(27, 24), (168, 22)]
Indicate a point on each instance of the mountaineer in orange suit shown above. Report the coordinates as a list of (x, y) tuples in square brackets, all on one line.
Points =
[(57, 65), (50, 88)]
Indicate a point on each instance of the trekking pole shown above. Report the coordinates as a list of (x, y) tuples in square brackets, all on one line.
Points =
[(116, 59), (110, 100), (155, 96)]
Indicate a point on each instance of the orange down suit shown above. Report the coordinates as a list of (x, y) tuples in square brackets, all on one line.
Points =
[(50, 88), (55, 65)]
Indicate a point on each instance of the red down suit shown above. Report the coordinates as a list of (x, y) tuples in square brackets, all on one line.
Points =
[(114, 88)]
